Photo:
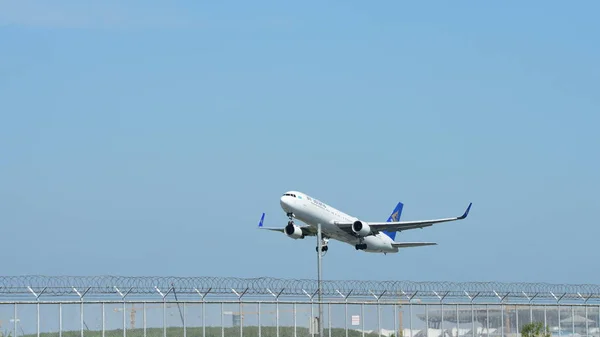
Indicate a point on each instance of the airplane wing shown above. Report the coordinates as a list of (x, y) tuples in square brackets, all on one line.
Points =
[(412, 244), (404, 225), (306, 230)]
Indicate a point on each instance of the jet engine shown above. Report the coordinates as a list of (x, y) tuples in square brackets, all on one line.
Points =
[(294, 232), (361, 229)]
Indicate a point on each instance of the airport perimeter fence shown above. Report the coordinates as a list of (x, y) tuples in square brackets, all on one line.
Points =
[(111, 306)]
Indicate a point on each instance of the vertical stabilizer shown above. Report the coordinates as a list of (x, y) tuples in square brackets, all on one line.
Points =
[(395, 216)]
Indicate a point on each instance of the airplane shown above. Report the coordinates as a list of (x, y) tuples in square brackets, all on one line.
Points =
[(370, 237)]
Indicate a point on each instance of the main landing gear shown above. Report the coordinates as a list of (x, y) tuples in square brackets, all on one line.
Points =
[(361, 245), (324, 247)]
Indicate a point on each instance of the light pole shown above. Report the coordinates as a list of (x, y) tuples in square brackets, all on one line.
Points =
[(319, 247)]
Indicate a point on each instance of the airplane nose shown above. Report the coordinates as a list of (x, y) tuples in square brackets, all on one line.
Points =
[(286, 203)]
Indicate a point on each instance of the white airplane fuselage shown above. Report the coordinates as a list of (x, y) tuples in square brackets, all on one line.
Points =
[(312, 212)]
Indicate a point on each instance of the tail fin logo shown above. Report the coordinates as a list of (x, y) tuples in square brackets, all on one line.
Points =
[(395, 216)]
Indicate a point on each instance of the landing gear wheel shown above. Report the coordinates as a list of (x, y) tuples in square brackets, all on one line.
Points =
[(323, 248), (361, 244)]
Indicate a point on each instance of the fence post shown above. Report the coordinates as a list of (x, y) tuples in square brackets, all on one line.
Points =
[(573, 318), (15, 320), (472, 312), (164, 298), (202, 296), (559, 325), (241, 309), (426, 319), (441, 298), (516, 319), (501, 311), (587, 330), (60, 320), (362, 319), (345, 309), (585, 300), (81, 307), (487, 320), (458, 322), (410, 298), (144, 320), (124, 308), (329, 317), (312, 314), (558, 299), (37, 298), (530, 299), (276, 307), (378, 311), (222, 324), (104, 320), (545, 317), (396, 320)]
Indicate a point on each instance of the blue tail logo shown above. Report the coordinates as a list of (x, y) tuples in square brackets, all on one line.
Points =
[(395, 216)]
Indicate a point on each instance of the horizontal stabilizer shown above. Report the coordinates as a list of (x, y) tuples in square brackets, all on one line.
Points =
[(412, 244), (306, 230)]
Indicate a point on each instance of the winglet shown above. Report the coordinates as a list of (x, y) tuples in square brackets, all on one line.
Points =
[(466, 212), (262, 219)]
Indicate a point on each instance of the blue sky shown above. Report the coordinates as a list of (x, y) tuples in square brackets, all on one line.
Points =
[(147, 138)]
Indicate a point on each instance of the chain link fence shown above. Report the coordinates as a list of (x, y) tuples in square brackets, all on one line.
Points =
[(289, 319), (114, 306)]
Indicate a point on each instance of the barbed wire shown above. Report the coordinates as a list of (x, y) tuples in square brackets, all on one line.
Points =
[(269, 286)]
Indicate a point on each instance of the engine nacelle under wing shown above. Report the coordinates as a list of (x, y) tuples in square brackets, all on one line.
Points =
[(361, 229), (294, 232)]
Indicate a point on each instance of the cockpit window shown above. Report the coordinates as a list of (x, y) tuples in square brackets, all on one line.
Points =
[(290, 194)]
